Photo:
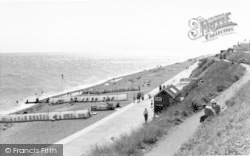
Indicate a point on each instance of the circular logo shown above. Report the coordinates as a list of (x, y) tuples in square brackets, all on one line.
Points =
[(7, 150)]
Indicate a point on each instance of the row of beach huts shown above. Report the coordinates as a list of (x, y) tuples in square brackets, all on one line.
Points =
[(29, 114), (48, 116)]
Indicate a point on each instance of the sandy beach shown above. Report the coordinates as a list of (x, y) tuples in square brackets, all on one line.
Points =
[(49, 132)]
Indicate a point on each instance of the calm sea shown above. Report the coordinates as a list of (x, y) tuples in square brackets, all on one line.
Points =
[(27, 75)]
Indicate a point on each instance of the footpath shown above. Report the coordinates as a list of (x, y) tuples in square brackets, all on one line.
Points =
[(173, 141), (122, 121)]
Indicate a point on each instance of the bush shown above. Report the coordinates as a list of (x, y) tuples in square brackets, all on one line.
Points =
[(202, 62), (152, 133), (192, 85), (177, 121), (176, 113), (230, 103), (216, 55), (236, 77), (184, 113), (220, 88)]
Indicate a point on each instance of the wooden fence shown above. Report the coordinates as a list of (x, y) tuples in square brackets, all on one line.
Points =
[(89, 98)]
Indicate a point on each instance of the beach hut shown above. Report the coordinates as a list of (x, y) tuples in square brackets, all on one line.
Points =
[(165, 98)]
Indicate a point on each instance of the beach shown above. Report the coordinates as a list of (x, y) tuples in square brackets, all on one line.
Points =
[(50, 132)]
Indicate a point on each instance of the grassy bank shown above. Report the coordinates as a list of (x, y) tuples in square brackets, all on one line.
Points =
[(240, 57), (227, 134), (215, 75)]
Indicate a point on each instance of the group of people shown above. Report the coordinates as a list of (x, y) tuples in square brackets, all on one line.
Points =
[(138, 97), (210, 111), (161, 87)]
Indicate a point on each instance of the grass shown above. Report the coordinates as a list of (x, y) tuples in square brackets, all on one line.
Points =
[(135, 143), (202, 66), (140, 139), (227, 134), (217, 77), (239, 57)]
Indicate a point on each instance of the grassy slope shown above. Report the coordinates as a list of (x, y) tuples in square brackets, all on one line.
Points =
[(143, 138), (239, 57), (217, 77), (228, 134)]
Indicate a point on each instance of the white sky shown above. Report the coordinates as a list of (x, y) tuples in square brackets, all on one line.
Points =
[(111, 26)]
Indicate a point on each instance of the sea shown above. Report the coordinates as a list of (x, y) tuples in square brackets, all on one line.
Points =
[(31, 75)]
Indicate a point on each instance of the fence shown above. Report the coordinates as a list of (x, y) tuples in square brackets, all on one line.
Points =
[(65, 115), (90, 98), (202, 68), (112, 90)]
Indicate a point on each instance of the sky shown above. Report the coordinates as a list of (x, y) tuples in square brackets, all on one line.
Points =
[(116, 27)]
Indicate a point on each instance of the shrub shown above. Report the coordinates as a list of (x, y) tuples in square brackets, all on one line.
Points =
[(184, 113), (177, 121), (176, 113), (202, 62), (152, 133), (192, 85), (206, 99), (230, 102), (236, 77), (220, 88)]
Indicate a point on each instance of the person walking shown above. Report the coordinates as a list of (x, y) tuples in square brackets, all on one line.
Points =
[(142, 96), (138, 97), (134, 99), (145, 113), (149, 96)]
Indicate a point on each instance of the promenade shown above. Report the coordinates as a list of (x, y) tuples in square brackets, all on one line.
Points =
[(120, 122)]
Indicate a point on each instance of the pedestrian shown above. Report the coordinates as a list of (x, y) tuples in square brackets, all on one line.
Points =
[(160, 87), (142, 96), (138, 97), (134, 99), (149, 96), (215, 106), (145, 113), (208, 112), (195, 106)]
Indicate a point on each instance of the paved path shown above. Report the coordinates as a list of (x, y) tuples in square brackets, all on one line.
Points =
[(173, 141), (120, 122)]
